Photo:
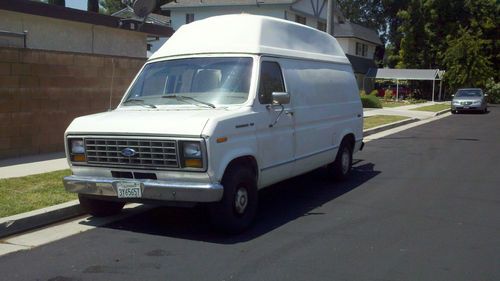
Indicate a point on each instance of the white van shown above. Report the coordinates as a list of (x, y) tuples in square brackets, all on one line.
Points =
[(229, 105)]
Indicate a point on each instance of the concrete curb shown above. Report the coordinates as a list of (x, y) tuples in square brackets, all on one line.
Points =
[(442, 112), (389, 126), (38, 218)]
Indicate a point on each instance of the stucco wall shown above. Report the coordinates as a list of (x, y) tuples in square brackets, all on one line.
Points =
[(41, 92), (60, 35), (310, 21), (349, 46)]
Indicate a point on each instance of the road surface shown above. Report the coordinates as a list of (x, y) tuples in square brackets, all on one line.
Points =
[(422, 204)]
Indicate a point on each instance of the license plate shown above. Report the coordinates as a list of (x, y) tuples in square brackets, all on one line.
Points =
[(127, 189)]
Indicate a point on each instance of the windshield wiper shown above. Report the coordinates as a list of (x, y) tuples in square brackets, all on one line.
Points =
[(140, 102), (186, 98)]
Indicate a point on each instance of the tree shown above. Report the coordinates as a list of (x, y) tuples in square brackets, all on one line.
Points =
[(111, 6), (466, 60), (460, 36), (368, 13), (415, 45)]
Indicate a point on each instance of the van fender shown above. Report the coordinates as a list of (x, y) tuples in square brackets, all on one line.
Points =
[(233, 154), (341, 136)]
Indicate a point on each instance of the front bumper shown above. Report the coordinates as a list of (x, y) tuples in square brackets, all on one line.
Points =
[(151, 189), (467, 107)]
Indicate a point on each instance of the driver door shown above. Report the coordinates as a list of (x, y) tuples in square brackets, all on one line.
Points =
[(275, 140)]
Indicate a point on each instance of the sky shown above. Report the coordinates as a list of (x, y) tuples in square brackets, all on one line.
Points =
[(77, 4)]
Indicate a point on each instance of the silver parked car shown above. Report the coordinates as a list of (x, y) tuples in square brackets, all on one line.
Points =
[(469, 99)]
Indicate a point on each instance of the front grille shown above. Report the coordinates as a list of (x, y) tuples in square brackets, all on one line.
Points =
[(148, 153), (466, 103)]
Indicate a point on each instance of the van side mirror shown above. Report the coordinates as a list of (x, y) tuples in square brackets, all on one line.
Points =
[(281, 98)]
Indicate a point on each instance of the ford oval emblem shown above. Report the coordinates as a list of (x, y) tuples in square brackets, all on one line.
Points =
[(128, 152)]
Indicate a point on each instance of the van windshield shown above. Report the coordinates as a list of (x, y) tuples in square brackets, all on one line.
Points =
[(197, 81)]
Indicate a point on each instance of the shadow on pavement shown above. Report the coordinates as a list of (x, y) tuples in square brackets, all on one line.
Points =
[(278, 205)]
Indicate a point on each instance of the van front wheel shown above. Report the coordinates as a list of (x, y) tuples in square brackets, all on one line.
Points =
[(237, 209), (342, 165)]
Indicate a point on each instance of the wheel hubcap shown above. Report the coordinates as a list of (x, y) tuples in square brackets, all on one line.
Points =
[(345, 161), (241, 200)]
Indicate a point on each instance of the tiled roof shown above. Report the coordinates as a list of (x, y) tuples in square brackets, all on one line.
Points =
[(349, 29), (128, 13)]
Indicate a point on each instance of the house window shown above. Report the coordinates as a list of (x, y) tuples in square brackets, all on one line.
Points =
[(321, 25), (361, 49), (189, 18), (300, 19)]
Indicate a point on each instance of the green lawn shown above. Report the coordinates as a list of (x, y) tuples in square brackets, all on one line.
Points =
[(377, 120), (19, 195), (433, 108)]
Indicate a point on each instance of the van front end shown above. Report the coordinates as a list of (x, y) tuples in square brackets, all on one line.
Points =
[(140, 168)]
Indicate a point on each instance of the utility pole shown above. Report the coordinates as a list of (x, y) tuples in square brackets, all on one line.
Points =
[(329, 16)]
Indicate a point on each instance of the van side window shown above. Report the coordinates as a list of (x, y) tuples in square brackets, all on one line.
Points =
[(271, 81)]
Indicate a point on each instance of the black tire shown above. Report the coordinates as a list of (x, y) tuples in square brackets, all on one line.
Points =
[(453, 112), (341, 167), (100, 208), (236, 211)]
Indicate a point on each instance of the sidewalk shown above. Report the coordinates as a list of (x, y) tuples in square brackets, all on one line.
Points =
[(405, 110), (32, 165)]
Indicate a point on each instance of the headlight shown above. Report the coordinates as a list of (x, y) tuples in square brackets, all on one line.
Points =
[(192, 155), (77, 150), (192, 150), (476, 102), (456, 102), (77, 146)]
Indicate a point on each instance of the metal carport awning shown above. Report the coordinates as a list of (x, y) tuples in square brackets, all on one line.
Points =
[(407, 74)]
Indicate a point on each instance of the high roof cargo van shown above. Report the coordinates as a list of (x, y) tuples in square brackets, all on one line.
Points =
[(229, 105)]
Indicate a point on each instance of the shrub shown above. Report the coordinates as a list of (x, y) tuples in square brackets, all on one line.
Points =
[(370, 101), (362, 93), (492, 88), (374, 93)]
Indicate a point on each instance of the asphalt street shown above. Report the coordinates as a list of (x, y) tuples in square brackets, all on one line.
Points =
[(422, 204)]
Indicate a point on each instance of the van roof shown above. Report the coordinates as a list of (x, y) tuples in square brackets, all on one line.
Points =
[(251, 34)]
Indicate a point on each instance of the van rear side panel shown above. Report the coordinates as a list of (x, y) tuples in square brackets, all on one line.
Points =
[(326, 106)]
